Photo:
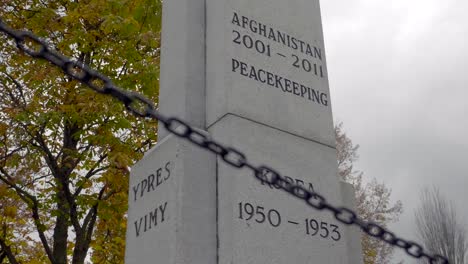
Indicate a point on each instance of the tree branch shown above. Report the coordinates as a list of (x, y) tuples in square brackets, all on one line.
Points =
[(2, 158), (93, 211), (84, 237), (49, 157), (20, 89), (6, 252), (32, 202), (93, 171), (143, 145), (3, 255)]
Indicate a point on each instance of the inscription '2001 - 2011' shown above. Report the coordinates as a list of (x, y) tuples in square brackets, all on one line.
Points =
[(263, 76), (312, 63), (276, 35)]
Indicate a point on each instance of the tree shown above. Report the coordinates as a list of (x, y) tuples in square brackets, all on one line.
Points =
[(64, 149), (373, 199), (439, 229)]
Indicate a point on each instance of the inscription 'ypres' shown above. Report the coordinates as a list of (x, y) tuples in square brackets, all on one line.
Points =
[(152, 181)]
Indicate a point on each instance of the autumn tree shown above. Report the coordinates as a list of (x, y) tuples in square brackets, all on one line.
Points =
[(372, 198), (64, 150), (439, 228)]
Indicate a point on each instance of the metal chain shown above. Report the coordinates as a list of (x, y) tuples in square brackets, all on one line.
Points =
[(142, 107)]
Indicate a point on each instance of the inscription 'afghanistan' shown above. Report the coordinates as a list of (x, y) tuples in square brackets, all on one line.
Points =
[(276, 36), (277, 81)]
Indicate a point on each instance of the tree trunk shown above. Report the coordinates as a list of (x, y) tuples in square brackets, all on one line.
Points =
[(61, 230), (80, 251)]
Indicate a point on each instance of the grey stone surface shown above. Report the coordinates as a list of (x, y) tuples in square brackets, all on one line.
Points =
[(266, 62), (182, 86), (253, 73), (354, 237), (172, 206), (258, 240)]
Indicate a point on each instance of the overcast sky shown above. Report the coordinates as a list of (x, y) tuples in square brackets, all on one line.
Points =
[(398, 74)]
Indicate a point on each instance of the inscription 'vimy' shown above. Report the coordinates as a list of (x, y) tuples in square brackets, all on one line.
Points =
[(150, 220)]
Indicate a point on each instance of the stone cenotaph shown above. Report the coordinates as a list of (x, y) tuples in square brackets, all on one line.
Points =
[(251, 74)]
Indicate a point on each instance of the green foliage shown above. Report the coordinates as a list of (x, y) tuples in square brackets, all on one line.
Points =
[(64, 150), (372, 199)]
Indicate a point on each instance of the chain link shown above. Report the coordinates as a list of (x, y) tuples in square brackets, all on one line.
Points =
[(143, 107)]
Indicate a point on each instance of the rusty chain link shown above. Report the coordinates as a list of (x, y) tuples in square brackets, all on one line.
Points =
[(143, 107)]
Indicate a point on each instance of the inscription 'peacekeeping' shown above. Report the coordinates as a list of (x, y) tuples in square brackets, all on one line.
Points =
[(251, 38), (274, 80)]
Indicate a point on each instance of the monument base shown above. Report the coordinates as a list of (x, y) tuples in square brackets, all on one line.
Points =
[(172, 206), (259, 223), (187, 206)]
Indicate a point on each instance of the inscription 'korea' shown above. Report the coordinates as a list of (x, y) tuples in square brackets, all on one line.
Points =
[(152, 181), (266, 175), (150, 220), (307, 185)]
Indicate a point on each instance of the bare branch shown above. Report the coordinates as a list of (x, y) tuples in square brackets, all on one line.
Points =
[(438, 227)]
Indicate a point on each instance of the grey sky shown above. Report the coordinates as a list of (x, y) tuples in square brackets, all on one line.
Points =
[(399, 82)]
